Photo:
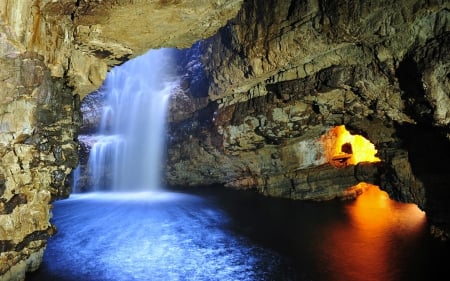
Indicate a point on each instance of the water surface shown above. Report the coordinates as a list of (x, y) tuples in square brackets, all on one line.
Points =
[(221, 234)]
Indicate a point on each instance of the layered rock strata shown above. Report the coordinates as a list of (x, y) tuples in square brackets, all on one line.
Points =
[(282, 73)]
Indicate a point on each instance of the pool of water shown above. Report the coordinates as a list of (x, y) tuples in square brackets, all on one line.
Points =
[(222, 234)]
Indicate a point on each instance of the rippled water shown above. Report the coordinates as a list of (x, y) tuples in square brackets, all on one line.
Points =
[(219, 234)]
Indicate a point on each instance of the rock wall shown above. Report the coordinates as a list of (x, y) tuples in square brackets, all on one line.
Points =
[(39, 122), (81, 40), (53, 53), (282, 73)]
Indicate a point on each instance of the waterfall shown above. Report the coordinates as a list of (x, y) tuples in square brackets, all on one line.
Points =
[(127, 153), (76, 176)]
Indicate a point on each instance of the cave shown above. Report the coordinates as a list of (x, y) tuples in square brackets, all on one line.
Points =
[(261, 142)]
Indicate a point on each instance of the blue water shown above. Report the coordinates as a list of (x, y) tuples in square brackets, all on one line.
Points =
[(221, 234)]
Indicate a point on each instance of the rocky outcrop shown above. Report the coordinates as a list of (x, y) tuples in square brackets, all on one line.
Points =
[(282, 73), (81, 40), (39, 123), (107, 33), (52, 53)]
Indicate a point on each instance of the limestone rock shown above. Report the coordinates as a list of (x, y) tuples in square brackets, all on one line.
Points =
[(82, 40), (38, 150), (107, 33), (282, 73)]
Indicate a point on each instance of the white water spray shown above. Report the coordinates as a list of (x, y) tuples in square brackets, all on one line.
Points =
[(128, 152)]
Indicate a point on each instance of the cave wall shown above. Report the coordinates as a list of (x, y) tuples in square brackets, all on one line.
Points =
[(81, 40), (39, 122), (53, 53), (282, 73), (38, 148)]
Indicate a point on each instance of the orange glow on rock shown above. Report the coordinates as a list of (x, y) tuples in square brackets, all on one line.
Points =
[(343, 149)]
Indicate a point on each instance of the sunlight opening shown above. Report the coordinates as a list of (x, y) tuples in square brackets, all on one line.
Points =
[(343, 149)]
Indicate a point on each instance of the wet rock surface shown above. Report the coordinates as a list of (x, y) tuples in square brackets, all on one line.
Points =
[(38, 148)]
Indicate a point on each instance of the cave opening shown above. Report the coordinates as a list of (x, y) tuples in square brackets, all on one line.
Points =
[(343, 149)]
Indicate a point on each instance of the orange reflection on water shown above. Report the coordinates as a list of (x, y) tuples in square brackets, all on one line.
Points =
[(368, 246)]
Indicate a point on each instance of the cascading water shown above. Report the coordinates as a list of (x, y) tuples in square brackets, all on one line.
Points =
[(128, 149)]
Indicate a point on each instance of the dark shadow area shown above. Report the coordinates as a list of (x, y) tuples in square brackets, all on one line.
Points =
[(305, 231), (427, 146), (410, 82), (429, 156)]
